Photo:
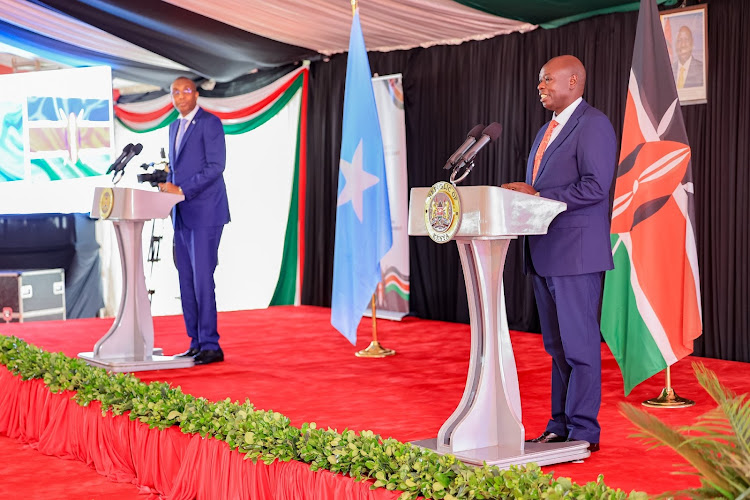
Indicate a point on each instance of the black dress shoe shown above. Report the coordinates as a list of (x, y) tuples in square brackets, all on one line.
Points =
[(548, 437), (593, 447), (209, 356), (189, 353)]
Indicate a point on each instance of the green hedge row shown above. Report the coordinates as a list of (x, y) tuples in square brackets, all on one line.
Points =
[(269, 436)]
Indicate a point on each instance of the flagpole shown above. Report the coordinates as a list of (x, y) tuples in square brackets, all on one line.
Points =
[(374, 350), (668, 398)]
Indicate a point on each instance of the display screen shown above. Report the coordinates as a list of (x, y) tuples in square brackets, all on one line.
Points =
[(56, 140)]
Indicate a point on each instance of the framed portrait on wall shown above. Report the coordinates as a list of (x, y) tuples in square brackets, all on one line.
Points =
[(687, 43)]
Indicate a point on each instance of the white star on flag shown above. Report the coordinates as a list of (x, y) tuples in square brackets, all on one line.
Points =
[(357, 180)]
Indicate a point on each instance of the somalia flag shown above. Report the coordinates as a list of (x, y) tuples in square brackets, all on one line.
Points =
[(363, 218)]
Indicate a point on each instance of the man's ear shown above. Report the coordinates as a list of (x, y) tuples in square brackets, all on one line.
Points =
[(573, 81)]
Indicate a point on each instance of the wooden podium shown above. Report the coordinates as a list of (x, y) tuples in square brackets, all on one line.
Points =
[(486, 426), (128, 346)]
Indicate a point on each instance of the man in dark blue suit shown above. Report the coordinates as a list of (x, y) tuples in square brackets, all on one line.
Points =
[(197, 157), (572, 160)]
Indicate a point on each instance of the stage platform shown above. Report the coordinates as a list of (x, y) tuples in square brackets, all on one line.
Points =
[(290, 360)]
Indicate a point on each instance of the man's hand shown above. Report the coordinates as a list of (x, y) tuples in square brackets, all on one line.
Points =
[(168, 187), (521, 187)]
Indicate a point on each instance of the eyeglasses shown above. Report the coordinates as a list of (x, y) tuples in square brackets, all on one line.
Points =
[(186, 92)]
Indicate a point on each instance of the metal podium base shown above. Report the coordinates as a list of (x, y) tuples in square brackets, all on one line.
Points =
[(504, 457), (127, 365)]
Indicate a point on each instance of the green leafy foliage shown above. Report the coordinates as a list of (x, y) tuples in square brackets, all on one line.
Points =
[(269, 436), (717, 446)]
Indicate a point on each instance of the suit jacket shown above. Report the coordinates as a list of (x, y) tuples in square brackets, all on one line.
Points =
[(577, 168), (694, 77), (198, 170)]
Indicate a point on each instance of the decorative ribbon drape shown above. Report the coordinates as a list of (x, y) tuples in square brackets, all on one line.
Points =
[(240, 114)]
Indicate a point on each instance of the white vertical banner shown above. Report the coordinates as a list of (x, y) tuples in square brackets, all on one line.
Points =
[(392, 295)]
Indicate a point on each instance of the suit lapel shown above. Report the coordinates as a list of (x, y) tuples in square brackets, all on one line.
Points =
[(570, 125), (172, 136)]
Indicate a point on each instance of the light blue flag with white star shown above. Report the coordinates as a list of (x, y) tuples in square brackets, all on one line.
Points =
[(363, 216)]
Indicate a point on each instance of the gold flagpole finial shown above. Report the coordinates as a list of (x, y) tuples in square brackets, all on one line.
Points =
[(354, 7)]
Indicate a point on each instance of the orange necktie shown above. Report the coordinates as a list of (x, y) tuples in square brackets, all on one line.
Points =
[(542, 148)]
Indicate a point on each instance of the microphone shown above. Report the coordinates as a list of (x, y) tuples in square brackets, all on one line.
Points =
[(125, 151), (133, 151), (489, 134), (471, 138)]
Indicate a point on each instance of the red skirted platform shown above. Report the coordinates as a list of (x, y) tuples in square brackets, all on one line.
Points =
[(178, 465), (290, 359)]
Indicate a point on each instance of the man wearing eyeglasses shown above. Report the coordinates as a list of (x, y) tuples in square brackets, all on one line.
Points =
[(197, 158)]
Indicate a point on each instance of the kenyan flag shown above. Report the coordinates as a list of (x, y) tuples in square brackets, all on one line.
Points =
[(651, 312)]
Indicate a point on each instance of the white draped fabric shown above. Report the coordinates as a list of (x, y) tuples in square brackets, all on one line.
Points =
[(323, 25), (69, 30)]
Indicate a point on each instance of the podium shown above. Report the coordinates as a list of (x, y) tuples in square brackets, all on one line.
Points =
[(486, 426), (128, 346)]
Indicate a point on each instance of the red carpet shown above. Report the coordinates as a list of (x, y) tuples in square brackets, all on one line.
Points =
[(290, 359), (69, 479)]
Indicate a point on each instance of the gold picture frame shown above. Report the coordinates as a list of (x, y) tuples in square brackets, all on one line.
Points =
[(685, 31)]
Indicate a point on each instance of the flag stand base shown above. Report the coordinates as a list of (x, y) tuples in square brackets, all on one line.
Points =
[(668, 399), (375, 350)]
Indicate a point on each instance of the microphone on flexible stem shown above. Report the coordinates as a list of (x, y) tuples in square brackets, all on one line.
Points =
[(133, 151), (489, 134), (124, 153), (471, 138)]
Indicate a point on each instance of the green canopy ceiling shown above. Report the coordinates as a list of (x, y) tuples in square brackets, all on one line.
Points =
[(554, 13)]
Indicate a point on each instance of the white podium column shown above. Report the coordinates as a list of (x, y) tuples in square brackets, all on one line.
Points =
[(134, 313), (490, 410)]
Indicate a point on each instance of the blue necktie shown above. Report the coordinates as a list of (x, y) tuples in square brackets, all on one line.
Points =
[(180, 134)]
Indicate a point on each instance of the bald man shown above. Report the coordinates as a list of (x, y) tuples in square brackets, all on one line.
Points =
[(572, 160)]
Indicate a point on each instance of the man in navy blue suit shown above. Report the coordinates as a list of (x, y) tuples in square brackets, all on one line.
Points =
[(572, 160), (197, 158)]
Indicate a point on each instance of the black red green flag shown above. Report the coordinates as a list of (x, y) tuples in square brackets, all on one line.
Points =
[(651, 312)]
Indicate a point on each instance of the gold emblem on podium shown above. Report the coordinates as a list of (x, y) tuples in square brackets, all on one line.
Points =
[(106, 202), (442, 212)]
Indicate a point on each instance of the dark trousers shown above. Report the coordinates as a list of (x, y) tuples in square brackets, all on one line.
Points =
[(196, 254), (568, 312)]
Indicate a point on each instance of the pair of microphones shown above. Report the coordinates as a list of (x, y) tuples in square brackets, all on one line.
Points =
[(477, 138), (128, 152)]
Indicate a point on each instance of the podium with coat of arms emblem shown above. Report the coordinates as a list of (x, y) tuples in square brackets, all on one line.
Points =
[(486, 426), (128, 346)]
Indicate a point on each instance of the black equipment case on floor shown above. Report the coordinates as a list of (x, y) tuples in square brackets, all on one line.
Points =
[(32, 295)]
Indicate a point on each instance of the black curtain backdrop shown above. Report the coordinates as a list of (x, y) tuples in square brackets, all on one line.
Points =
[(449, 89)]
